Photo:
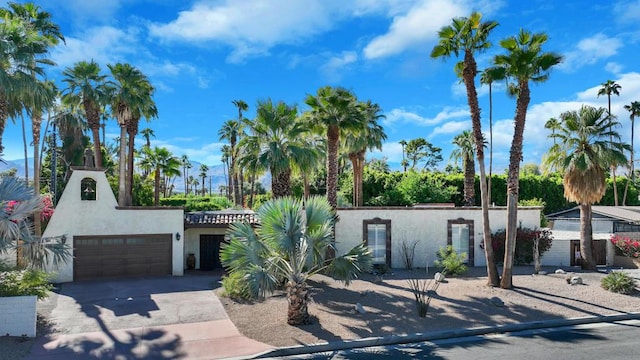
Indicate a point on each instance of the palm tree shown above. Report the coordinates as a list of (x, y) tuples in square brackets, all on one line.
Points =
[(585, 152), (464, 151), (634, 109), (147, 134), (231, 130), (333, 111), (203, 175), (226, 156), (404, 162), (248, 158), (16, 231), (290, 244), (358, 142), (161, 161), (470, 35), (611, 87), (552, 124), (277, 132), (186, 165), (131, 100), (524, 62), (87, 87)]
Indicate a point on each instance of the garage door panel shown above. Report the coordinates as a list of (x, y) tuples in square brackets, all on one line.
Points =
[(118, 256)]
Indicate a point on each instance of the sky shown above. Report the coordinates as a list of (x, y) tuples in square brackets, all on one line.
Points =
[(202, 54)]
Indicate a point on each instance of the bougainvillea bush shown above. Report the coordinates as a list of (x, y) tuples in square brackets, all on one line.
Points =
[(524, 244), (629, 247)]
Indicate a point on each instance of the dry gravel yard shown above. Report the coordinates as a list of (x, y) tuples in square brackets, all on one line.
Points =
[(461, 302)]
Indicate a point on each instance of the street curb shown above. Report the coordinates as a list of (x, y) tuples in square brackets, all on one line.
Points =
[(439, 335)]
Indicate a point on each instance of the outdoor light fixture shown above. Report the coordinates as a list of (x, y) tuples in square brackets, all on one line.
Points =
[(63, 239), (178, 236)]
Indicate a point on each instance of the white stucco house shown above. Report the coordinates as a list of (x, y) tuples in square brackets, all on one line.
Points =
[(606, 222), (385, 229), (112, 241)]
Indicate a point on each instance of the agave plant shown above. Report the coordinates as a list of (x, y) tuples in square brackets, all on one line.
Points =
[(290, 245), (18, 203)]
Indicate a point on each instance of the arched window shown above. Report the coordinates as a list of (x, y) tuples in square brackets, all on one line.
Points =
[(88, 189)]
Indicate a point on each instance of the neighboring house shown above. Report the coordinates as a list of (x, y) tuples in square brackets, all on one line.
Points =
[(112, 241), (386, 229), (606, 222)]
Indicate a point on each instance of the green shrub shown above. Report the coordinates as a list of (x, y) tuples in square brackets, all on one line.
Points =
[(618, 282), (450, 262), (24, 283), (235, 287)]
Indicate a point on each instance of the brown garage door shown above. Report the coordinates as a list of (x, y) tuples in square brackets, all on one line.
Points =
[(121, 256)]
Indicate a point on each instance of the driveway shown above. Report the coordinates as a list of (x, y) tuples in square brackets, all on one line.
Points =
[(143, 318)]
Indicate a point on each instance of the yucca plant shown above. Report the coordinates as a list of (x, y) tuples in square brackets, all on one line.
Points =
[(290, 243), (618, 282)]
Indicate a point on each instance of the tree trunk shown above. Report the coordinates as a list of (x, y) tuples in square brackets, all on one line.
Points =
[(122, 162), (333, 137), (360, 175), (469, 182), (354, 167), (468, 74), (281, 183), (631, 167), (4, 116), (298, 299), (36, 121), (92, 114), (513, 179), (156, 190), (253, 189), (132, 130), (305, 185), (490, 142), (586, 238)]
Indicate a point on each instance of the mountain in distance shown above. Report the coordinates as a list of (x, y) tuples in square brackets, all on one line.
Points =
[(18, 164)]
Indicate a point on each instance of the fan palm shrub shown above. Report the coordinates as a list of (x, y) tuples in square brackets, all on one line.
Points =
[(289, 246)]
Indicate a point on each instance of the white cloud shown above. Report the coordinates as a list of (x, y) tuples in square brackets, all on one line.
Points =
[(338, 64), (627, 11), (613, 67), (404, 116), (83, 11), (104, 44), (419, 25), (451, 127), (589, 51), (250, 27)]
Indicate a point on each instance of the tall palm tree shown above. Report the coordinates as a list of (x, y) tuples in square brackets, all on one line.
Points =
[(277, 132), (90, 89), (131, 100), (147, 134), (552, 124), (160, 160), (204, 169), (404, 162), (523, 62), (611, 87), (231, 130), (469, 35), (290, 244), (465, 144), (333, 111), (634, 109), (186, 165), (584, 153), (358, 142), (225, 158)]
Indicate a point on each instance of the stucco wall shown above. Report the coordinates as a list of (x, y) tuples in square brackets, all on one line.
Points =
[(74, 216), (427, 225), (192, 241)]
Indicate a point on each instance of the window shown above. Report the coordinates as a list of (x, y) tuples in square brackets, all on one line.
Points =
[(88, 189), (460, 236), (377, 234)]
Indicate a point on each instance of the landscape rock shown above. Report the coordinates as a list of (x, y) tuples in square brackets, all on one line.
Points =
[(560, 271), (576, 280), (542, 272), (439, 277), (360, 309)]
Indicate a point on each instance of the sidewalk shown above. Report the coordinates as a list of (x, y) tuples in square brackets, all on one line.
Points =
[(218, 339)]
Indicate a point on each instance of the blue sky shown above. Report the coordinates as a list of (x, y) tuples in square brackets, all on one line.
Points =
[(201, 55)]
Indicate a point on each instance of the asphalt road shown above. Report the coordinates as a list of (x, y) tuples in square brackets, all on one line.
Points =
[(595, 341)]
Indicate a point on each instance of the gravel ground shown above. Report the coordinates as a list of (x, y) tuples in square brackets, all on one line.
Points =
[(462, 302)]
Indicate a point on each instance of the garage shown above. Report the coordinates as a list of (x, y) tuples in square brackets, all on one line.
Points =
[(118, 256)]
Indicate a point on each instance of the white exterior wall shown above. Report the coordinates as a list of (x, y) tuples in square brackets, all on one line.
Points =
[(192, 241), (74, 216), (428, 225), (565, 230), (18, 316)]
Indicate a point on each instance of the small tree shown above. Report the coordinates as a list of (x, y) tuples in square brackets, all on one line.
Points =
[(290, 244)]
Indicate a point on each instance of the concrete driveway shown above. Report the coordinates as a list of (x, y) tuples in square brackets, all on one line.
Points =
[(144, 318)]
